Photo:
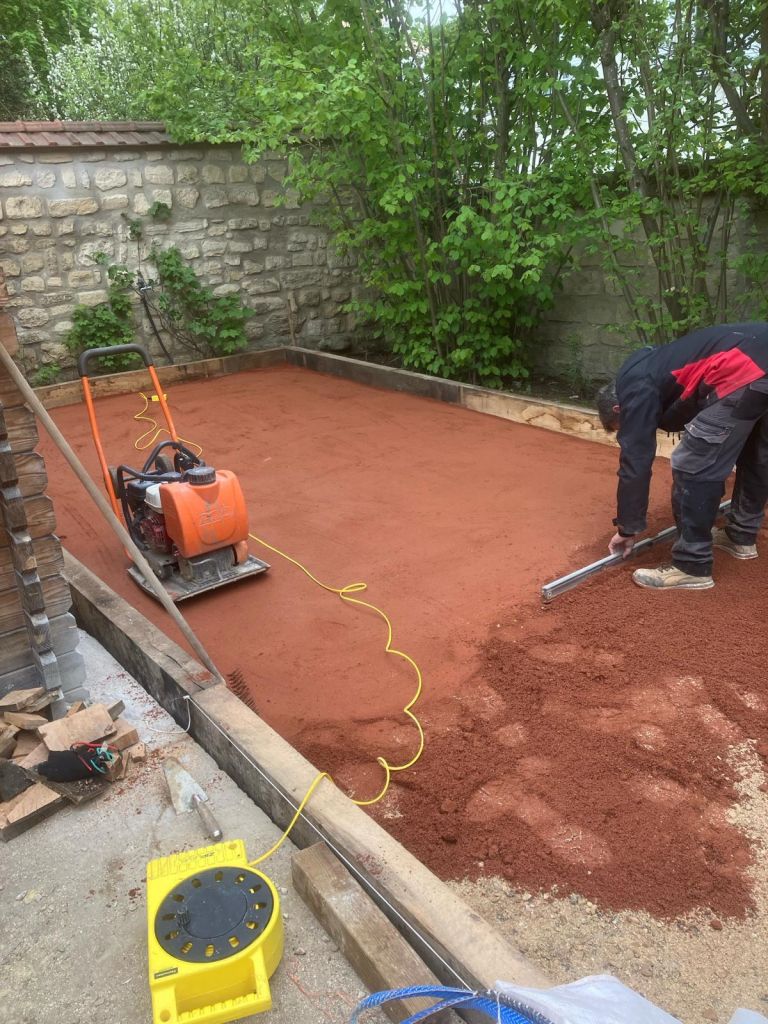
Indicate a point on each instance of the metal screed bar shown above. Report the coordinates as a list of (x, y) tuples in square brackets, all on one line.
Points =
[(557, 587)]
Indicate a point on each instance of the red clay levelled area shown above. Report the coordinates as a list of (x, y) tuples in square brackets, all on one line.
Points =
[(588, 745)]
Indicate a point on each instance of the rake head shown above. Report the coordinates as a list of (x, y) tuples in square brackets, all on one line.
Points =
[(237, 684)]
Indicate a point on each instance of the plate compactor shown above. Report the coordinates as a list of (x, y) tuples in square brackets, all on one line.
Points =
[(188, 519)]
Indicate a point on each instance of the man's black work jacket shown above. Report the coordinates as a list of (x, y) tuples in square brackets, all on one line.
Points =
[(664, 388)]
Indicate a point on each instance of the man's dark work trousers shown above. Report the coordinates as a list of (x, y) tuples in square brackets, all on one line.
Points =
[(731, 431)]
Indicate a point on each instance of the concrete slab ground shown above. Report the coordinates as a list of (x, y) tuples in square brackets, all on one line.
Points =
[(72, 889)]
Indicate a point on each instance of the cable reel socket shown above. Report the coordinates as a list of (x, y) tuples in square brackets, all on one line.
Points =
[(215, 936)]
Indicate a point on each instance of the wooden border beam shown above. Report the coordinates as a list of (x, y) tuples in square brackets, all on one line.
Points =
[(380, 956), (572, 420), (71, 391)]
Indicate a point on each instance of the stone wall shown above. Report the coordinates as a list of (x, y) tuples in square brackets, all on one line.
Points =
[(58, 207), (589, 332), (243, 234)]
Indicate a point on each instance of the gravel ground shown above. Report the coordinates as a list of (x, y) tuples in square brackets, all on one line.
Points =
[(697, 968)]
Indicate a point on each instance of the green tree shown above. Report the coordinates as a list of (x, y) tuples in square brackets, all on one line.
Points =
[(28, 30), (687, 92), (452, 178), (108, 70), (466, 161)]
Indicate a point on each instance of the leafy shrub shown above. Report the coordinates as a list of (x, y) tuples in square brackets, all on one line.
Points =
[(199, 321), (207, 324), (45, 375), (493, 274), (108, 323)]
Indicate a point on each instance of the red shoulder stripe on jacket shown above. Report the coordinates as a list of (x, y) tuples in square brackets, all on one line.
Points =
[(724, 372)]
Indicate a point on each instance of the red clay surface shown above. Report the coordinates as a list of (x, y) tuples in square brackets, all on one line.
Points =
[(584, 746)]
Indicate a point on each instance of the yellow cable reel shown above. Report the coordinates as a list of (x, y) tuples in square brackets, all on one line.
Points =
[(215, 936)]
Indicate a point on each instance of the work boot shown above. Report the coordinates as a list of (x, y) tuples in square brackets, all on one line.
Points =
[(720, 539), (668, 577)]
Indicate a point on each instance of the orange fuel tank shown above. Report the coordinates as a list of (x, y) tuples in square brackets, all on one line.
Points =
[(205, 512)]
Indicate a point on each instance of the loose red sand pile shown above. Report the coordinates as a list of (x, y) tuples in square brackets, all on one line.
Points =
[(590, 751)]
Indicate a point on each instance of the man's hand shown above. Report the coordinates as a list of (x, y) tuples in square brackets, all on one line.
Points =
[(621, 545)]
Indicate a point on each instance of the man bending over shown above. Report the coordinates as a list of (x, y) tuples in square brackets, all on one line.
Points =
[(712, 385)]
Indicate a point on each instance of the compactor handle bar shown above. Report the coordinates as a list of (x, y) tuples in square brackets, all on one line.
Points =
[(82, 369), (111, 350)]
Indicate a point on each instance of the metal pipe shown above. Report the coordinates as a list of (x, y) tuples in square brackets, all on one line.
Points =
[(142, 288), (573, 579)]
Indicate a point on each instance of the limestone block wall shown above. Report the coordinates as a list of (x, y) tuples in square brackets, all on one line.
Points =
[(589, 327), (59, 206), (68, 191)]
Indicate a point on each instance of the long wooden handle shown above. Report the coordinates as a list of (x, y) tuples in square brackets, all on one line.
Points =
[(103, 506), (210, 824)]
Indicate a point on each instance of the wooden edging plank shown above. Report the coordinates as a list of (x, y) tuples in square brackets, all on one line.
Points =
[(71, 392), (559, 417), (403, 887), (376, 375), (571, 420), (380, 956)]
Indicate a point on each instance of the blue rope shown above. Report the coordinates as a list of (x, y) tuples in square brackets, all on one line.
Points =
[(497, 1009)]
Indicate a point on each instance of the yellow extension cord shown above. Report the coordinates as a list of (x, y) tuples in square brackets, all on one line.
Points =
[(154, 430), (345, 593)]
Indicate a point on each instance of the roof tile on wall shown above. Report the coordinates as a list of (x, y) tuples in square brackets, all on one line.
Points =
[(69, 134)]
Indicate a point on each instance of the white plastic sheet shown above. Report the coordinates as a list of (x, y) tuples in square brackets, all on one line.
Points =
[(600, 999)]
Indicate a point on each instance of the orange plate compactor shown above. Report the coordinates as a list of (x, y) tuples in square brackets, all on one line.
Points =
[(188, 519)]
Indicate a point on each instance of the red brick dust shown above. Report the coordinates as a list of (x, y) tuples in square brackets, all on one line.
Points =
[(447, 514), (583, 747), (590, 752)]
